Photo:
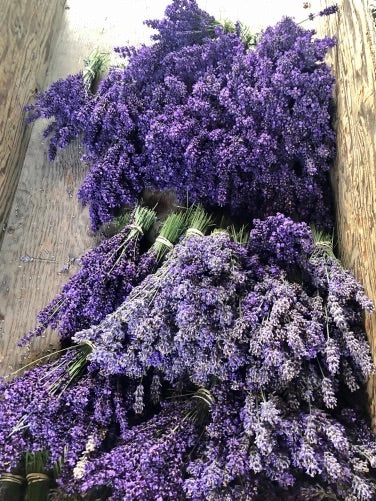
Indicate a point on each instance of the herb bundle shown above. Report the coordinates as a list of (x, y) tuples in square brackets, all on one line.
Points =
[(208, 365), (246, 130), (107, 275)]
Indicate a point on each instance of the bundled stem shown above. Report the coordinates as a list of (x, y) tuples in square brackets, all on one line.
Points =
[(94, 66), (38, 482)]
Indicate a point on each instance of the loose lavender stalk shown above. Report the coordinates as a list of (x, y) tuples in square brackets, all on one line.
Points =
[(107, 275)]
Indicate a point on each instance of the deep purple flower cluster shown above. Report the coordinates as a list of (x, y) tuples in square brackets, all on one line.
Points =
[(68, 103), (149, 462), (265, 335), (195, 112), (34, 416)]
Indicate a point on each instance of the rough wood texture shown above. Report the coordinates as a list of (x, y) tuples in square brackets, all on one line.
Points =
[(354, 175), (26, 32)]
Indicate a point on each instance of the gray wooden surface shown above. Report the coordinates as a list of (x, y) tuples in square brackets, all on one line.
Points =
[(354, 174), (27, 29)]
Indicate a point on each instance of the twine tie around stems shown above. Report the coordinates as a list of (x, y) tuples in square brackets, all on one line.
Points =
[(164, 241), (11, 478), (137, 227), (33, 478), (194, 231)]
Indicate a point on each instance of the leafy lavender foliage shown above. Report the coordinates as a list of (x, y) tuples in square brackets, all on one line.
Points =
[(248, 131)]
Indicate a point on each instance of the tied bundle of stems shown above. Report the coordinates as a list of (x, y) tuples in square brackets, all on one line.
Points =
[(142, 219), (196, 221), (323, 244), (12, 486), (95, 65), (38, 481), (105, 277)]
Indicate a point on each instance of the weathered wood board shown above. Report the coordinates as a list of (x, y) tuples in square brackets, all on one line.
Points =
[(27, 30), (354, 174)]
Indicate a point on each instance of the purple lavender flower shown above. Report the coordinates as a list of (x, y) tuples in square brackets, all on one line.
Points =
[(150, 460), (195, 112), (107, 275), (332, 9)]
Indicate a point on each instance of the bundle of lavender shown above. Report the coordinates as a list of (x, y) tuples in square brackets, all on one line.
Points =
[(267, 333), (107, 275), (209, 366), (207, 112), (69, 102)]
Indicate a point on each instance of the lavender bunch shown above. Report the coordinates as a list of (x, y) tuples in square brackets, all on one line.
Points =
[(111, 340), (49, 408), (256, 446), (107, 275), (259, 318), (245, 130), (149, 462), (68, 101), (75, 364)]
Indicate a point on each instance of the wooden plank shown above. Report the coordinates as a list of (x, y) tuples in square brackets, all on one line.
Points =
[(354, 173), (26, 35)]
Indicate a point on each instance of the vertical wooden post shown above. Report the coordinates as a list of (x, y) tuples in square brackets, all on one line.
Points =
[(354, 174)]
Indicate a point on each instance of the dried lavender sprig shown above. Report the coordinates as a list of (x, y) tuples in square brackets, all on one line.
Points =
[(328, 11)]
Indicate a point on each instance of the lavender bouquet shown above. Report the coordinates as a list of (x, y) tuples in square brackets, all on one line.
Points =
[(202, 113), (107, 275), (68, 102)]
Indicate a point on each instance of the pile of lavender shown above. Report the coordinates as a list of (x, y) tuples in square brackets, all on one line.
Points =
[(245, 130), (216, 361)]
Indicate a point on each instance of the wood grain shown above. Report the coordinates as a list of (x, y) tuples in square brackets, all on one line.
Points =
[(26, 34), (354, 173)]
